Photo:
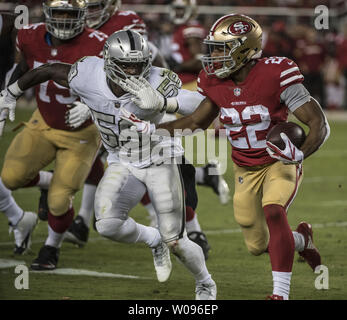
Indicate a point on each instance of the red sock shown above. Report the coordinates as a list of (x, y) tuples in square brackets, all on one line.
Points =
[(62, 223), (190, 213), (281, 245), (145, 199)]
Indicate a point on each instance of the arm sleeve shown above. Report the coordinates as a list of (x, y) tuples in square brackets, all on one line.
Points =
[(188, 101), (295, 96)]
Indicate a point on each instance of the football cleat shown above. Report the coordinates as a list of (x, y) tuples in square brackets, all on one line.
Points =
[(310, 252), (206, 291), (162, 261), (47, 259), (200, 239), (216, 181), (274, 297), (43, 205), (23, 231), (77, 233)]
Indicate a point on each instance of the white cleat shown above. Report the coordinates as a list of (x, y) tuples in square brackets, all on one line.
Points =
[(217, 182), (206, 291), (224, 192), (23, 232), (162, 262)]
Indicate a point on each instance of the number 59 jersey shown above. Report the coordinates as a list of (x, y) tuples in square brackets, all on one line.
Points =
[(248, 110), (105, 109)]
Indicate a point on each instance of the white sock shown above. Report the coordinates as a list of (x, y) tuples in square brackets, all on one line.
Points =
[(193, 225), (45, 179), (191, 255), (199, 175), (299, 241), (87, 203), (9, 206), (54, 239), (281, 283)]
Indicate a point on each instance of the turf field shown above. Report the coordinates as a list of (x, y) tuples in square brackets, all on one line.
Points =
[(126, 272)]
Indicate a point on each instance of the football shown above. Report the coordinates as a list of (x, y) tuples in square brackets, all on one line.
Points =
[(294, 132)]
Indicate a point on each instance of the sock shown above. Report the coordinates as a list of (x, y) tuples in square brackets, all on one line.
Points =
[(281, 282), (45, 179), (128, 231), (193, 224), (199, 175), (61, 223), (299, 241), (87, 203), (281, 245), (9, 206), (191, 255), (54, 239)]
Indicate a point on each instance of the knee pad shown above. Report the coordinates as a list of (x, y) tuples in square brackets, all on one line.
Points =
[(110, 227), (256, 249), (59, 202), (11, 178)]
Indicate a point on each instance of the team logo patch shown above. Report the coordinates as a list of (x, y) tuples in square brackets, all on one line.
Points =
[(54, 52), (239, 27), (240, 180), (117, 105), (237, 92)]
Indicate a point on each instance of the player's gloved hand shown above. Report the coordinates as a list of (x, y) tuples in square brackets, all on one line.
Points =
[(146, 97), (135, 124), (289, 155), (8, 100), (77, 114)]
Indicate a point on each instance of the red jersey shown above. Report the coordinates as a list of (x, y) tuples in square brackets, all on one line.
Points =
[(52, 99), (179, 46), (248, 110), (121, 20)]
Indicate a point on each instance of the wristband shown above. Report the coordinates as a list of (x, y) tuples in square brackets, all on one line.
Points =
[(171, 105), (14, 90)]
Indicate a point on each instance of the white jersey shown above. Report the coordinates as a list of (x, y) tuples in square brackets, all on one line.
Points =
[(87, 79)]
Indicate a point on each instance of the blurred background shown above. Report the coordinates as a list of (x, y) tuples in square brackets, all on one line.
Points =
[(289, 30)]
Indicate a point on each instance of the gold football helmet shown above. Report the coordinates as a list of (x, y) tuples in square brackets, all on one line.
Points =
[(99, 11), (181, 11), (65, 19), (237, 38)]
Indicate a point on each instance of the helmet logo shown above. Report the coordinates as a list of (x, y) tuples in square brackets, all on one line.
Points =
[(239, 27)]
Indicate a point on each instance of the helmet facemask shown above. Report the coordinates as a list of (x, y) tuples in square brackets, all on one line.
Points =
[(118, 55), (188, 8), (99, 11), (64, 28)]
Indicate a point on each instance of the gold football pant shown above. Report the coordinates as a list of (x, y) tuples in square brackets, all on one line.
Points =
[(37, 145), (256, 187)]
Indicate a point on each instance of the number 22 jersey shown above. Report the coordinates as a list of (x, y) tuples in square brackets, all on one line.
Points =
[(248, 110)]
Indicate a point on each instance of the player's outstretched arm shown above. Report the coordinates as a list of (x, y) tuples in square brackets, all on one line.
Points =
[(58, 72), (201, 118), (311, 114)]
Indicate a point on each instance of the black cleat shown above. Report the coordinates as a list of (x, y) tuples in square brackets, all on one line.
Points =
[(200, 239), (43, 205), (47, 259), (78, 232)]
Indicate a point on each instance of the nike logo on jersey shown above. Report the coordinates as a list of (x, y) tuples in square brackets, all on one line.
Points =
[(290, 63)]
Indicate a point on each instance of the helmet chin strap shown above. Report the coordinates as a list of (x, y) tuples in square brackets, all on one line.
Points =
[(223, 72)]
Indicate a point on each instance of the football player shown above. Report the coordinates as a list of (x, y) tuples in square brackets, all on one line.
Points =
[(132, 169), (251, 94), (106, 16), (46, 137)]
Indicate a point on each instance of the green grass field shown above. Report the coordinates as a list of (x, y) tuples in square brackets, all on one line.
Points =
[(322, 201)]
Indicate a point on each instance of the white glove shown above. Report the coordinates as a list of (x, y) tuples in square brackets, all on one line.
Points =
[(146, 97), (8, 100), (135, 124), (77, 114), (289, 155)]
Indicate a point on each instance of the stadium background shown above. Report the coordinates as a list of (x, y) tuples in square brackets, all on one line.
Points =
[(288, 31)]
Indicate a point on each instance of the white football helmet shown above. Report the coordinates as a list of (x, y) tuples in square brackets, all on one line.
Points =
[(65, 19), (180, 11), (99, 11), (126, 47)]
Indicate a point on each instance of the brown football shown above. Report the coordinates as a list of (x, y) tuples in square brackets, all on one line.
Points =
[(295, 133)]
